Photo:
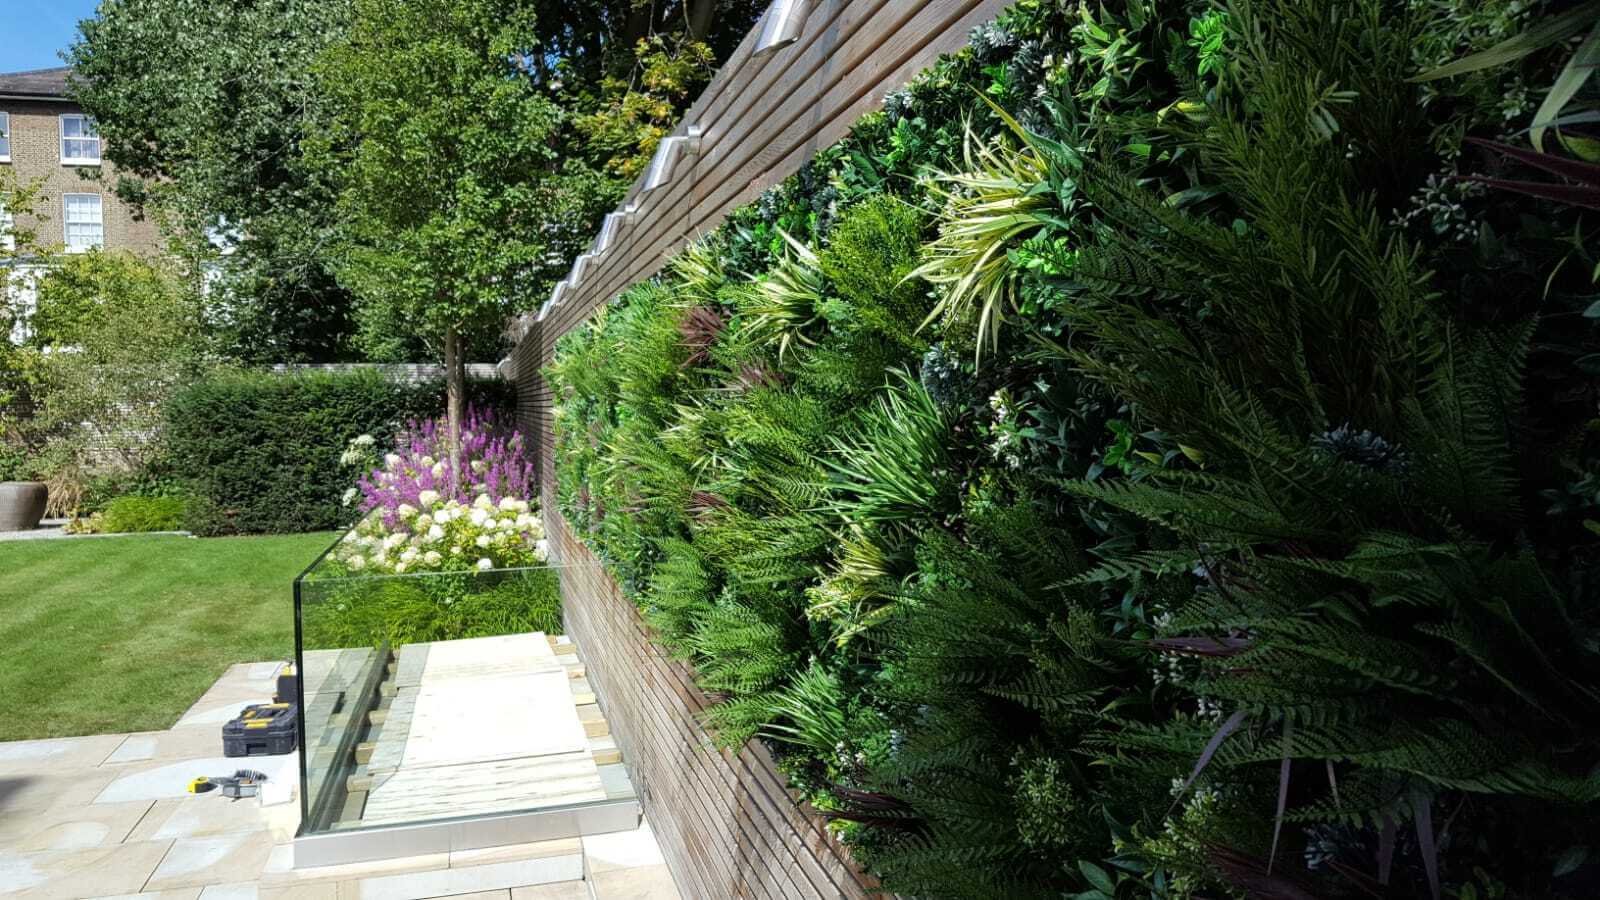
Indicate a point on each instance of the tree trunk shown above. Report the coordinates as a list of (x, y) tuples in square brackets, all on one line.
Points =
[(700, 15), (455, 398)]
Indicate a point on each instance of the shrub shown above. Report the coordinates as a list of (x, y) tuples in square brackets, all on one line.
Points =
[(133, 513), (261, 450), (354, 612), (113, 337)]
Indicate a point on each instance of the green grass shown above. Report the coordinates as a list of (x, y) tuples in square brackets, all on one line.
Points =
[(124, 634)]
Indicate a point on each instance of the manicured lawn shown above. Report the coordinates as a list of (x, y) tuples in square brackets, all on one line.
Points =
[(124, 634)]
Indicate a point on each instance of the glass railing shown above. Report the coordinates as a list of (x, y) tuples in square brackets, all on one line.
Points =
[(436, 695)]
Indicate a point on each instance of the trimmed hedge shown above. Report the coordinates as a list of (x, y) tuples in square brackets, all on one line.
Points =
[(260, 451)]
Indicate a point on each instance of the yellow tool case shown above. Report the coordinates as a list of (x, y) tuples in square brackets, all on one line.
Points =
[(266, 729)]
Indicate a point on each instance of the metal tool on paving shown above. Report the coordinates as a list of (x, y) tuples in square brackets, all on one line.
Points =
[(242, 783)]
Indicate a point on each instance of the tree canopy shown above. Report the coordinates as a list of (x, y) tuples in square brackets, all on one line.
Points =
[(203, 106), (214, 112)]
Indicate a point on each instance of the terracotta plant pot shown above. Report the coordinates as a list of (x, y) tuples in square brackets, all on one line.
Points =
[(21, 504)]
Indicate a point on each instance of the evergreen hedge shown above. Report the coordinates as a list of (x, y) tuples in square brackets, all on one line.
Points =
[(259, 451)]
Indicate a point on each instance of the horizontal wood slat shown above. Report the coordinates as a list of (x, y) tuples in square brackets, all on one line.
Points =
[(726, 821)]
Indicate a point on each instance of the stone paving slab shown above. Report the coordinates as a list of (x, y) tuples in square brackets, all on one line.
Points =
[(73, 874), (566, 890), (57, 754), (72, 827)]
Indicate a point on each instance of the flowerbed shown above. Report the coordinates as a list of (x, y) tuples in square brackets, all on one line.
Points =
[(442, 535), (422, 512), (441, 551)]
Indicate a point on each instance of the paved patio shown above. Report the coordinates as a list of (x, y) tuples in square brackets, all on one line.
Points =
[(53, 529), (109, 816)]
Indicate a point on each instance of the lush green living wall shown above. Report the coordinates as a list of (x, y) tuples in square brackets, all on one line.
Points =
[(1137, 462)]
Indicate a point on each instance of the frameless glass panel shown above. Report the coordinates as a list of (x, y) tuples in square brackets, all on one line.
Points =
[(428, 696)]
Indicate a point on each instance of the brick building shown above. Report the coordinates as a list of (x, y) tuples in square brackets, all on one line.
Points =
[(44, 136)]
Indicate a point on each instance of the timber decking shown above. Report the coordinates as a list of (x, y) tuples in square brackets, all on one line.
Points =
[(726, 821)]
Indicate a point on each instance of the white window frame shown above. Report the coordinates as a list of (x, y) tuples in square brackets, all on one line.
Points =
[(5, 136), (61, 133), (67, 222), (8, 227)]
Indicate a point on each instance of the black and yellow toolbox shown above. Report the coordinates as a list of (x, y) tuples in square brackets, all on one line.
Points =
[(265, 729)]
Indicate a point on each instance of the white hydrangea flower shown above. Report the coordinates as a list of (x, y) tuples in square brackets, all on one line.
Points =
[(455, 551), (357, 563), (437, 469), (435, 533), (349, 497), (428, 498), (406, 510), (508, 504), (391, 459), (485, 564), (424, 520), (483, 502), (432, 557), (479, 517), (480, 467), (483, 540), (541, 550), (408, 555), (399, 568), (427, 462), (363, 440), (394, 540)]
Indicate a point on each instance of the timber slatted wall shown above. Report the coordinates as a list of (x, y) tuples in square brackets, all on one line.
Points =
[(726, 822)]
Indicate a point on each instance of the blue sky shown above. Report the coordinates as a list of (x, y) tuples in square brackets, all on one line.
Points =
[(33, 32)]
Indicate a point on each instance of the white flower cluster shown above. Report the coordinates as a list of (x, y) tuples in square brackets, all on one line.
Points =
[(359, 452), (446, 536), (1006, 432)]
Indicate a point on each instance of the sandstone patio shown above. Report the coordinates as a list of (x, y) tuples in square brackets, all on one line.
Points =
[(110, 816)]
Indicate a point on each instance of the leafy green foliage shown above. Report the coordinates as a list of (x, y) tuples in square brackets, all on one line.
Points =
[(895, 466), (356, 612), (434, 122), (217, 118), (113, 337), (1256, 554), (133, 513), (206, 124)]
